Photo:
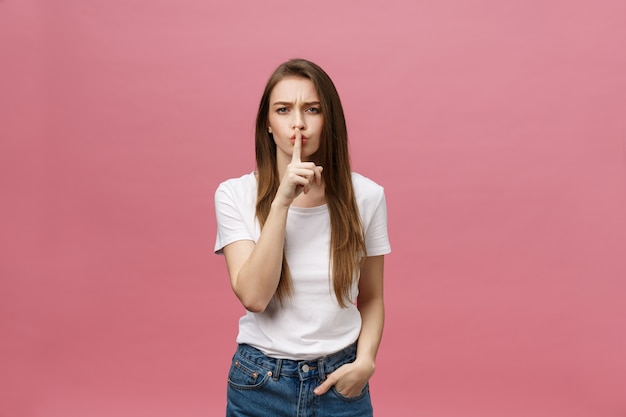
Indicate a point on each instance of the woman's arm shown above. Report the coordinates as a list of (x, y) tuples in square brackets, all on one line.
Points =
[(255, 269), (351, 378), (371, 306)]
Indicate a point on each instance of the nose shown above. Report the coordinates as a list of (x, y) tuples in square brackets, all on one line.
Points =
[(298, 121)]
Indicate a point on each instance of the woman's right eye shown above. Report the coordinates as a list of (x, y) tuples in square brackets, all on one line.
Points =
[(282, 110)]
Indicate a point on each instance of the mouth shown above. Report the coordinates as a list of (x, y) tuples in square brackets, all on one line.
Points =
[(293, 139)]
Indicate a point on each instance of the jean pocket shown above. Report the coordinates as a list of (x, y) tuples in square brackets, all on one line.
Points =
[(247, 376), (363, 393)]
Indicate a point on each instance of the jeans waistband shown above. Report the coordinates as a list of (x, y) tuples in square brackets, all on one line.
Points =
[(318, 367)]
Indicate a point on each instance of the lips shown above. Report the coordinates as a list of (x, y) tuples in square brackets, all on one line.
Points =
[(293, 139)]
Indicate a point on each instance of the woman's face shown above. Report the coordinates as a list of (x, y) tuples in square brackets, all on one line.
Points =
[(294, 103)]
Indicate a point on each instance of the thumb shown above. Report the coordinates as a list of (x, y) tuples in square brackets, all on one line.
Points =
[(324, 387)]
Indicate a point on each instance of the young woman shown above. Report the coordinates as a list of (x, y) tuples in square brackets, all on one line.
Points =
[(304, 238)]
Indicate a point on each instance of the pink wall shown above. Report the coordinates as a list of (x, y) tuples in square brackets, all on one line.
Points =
[(497, 127)]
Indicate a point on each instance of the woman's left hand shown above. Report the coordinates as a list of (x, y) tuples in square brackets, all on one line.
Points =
[(348, 379)]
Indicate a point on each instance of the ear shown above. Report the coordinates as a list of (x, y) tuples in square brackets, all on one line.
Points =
[(269, 129)]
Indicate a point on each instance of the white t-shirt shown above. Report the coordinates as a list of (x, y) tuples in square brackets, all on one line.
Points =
[(310, 323)]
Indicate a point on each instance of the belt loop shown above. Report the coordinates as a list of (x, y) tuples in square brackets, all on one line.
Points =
[(279, 363), (320, 369)]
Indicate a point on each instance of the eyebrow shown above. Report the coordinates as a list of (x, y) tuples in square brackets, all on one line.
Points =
[(288, 103)]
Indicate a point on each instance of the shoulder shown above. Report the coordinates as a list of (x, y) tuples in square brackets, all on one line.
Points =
[(368, 194), (241, 187), (365, 187), (245, 182)]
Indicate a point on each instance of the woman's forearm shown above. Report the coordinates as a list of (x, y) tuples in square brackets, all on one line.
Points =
[(372, 316), (258, 278), (372, 308)]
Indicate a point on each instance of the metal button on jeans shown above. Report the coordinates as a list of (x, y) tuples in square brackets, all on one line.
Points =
[(305, 368)]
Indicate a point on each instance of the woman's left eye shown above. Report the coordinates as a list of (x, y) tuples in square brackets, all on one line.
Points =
[(313, 110)]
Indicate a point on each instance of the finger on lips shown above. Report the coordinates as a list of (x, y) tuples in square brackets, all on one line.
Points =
[(297, 147), (307, 170)]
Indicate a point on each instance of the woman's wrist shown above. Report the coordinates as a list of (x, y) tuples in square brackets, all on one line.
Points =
[(366, 363), (278, 204)]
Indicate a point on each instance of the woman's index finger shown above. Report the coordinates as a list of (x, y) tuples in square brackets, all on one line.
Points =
[(297, 147)]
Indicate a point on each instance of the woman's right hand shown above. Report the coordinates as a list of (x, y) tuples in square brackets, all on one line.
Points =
[(298, 176)]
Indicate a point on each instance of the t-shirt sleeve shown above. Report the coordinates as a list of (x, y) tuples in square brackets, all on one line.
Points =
[(231, 225), (376, 236)]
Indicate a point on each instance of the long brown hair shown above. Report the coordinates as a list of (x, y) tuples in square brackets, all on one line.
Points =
[(347, 241)]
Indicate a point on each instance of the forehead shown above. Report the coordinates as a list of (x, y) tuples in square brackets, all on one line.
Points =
[(294, 89)]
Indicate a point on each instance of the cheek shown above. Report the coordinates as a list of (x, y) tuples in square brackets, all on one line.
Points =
[(276, 126), (319, 124)]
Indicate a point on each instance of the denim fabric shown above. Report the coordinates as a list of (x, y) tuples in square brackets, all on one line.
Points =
[(260, 386)]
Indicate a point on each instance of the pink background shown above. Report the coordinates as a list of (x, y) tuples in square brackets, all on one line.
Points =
[(497, 128)]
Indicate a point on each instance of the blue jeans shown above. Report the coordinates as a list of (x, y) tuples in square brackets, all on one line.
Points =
[(260, 386)]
